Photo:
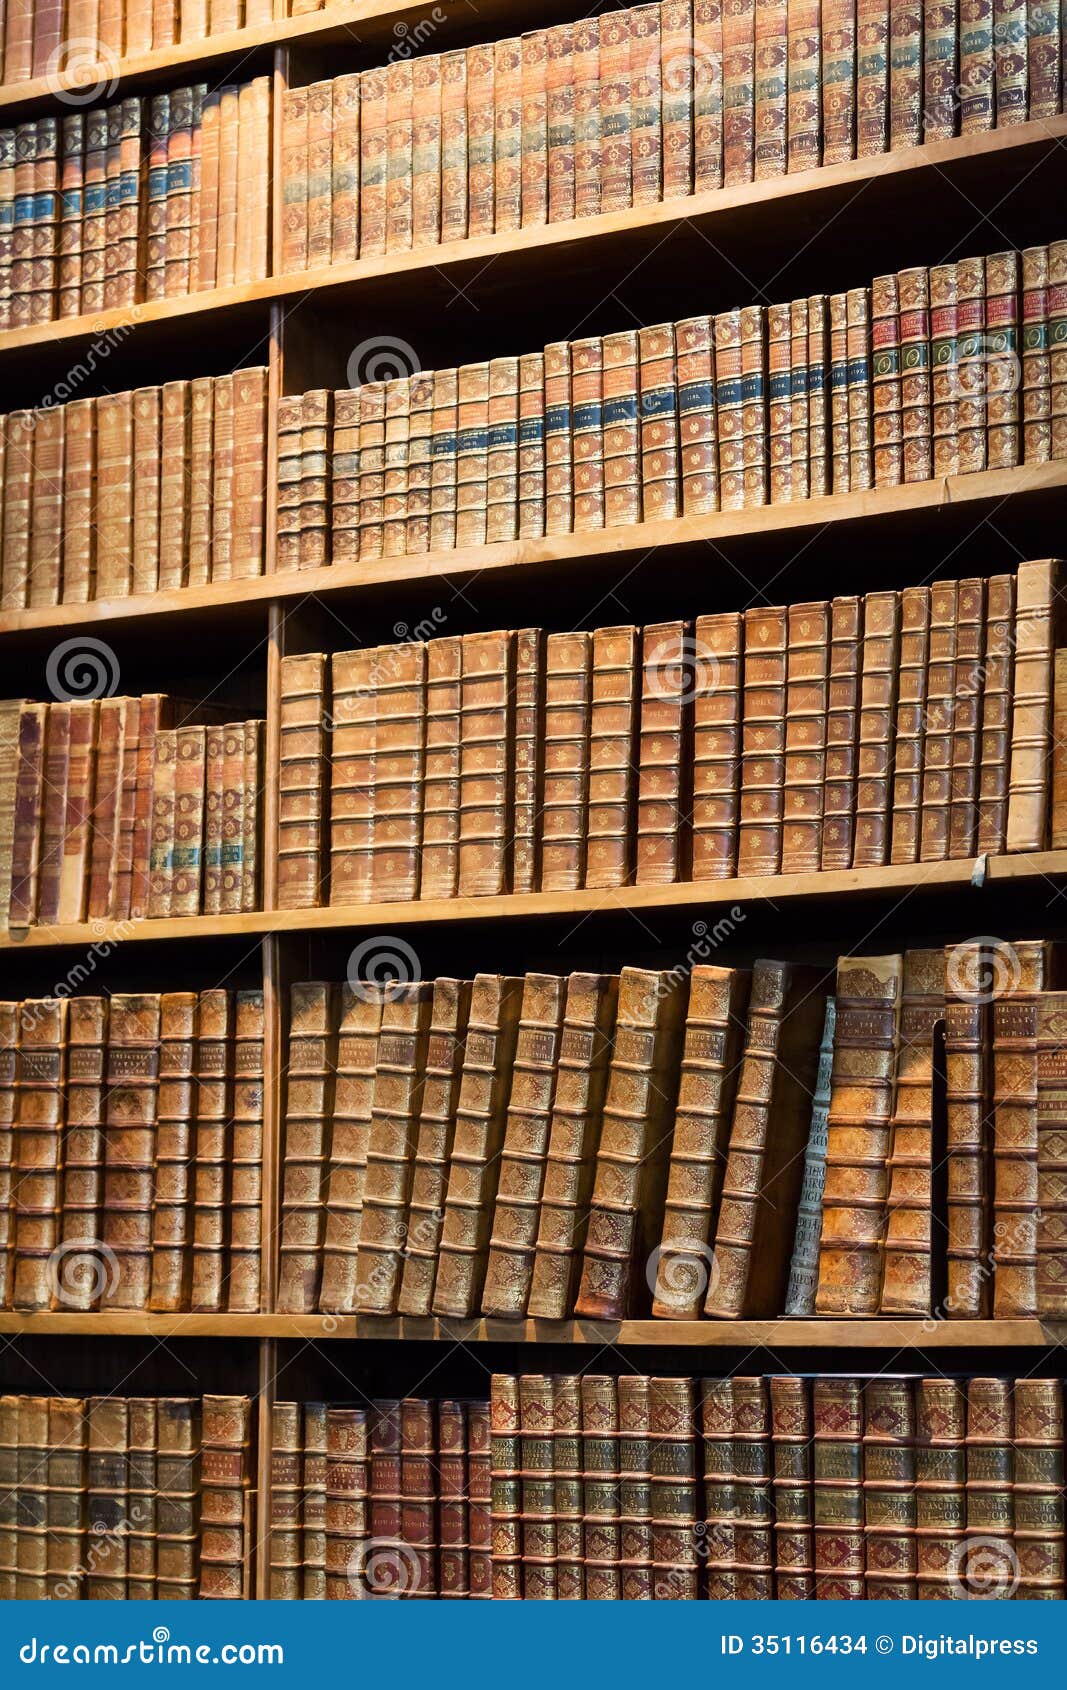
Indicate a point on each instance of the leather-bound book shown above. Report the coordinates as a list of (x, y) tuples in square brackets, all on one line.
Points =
[(601, 1530), (791, 1438), (9, 1040), (753, 1533), (205, 478), (319, 179), (53, 811), (566, 760), (708, 95), (141, 1550), (308, 1114), (40, 1080), (10, 711), (804, 768), (534, 130), (232, 854), (568, 1486), (851, 1247), (621, 429), (840, 458), (400, 723), (608, 157), (65, 1513), (940, 1475), (485, 796), (663, 756), (887, 441), (187, 862), (763, 707), (513, 1238), (1038, 1489), (31, 1500), (753, 404), (587, 441), (243, 1289), (799, 409), (79, 529), (395, 1108), (285, 1548), (425, 153), (559, 465), (581, 1080), (418, 1487), (18, 492), (837, 1489), (433, 1145), (130, 1147), (1027, 1027), (739, 72), (155, 714), (803, 86), (768, 1136), (347, 1513), (106, 1504), (249, 472), (635, 1488), (507, 1489), (588, 164), (226, 1490), (969, 1106), (227, 201), (1050, 1212), (889, 1489), (993, 1569), (443, 429), (908, 736), (858, 334), (301, 781), (26, 829), (559, 122), (507, 136), (612, 724), (356, 676), (214, 1146), (720, 1496), (250, 881), (1036, 624), (1036, 365), (996, 715), (661, 495), (357, 1050), (906, 1282), (770, 67), (819, 400), (676, 53), (970, 338), (967, 717), (538, 1489), (717, 744), (46, 515), (672, 1438), (779, 404), (714, 1025), (384, 1577), (699, 459), (440, 787), (528, 738), (453, 1504), (531, 453), (915, 384), (9, 1526), (175, 484), (294, 144), (395, 467), (161, 841), (177, 1497), (874, 749), (1002, 331), (502, 466), (147, 441), (480, 1487), (453, 145), (83, 1145), (804, 1266), (289, 486), (492, 1032), (631, 1164), (176, 1115), (313, 1533), (481, 123)]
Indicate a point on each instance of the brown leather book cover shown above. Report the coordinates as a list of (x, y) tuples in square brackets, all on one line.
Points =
[(600, 1448), (306, 1151), (301, 782), (716, 744), (130, 1146), (395, 478), (114, 495), (226, 1491), (663, 755), (839, 791), (357, 1050), (161, 839), (175, 484), (534, 127), (1058, 809), (990, 1495), (804, 768), (487, 694), (874, 749), (492, 1030), (720, 1494), (122, 865), (206, 246), (18, 504), (910, 719), (525, 1147), (107, 1502), (156, 714), (612, 746), (418, 1488), (837, 1489), (529, 753), (537, 1451), (1036, 627), (718, 999), (251, 895), (294, 141), (967, 716), (472, 454), (314, 448), (507, 1489), (1027, 1109), (581, 1083), (83, 1148), (631, 1164), (502, 465), (319, 182), (996, 714), (313, 1534), (851, 1250), (940, 1473), (214, 1145), (660, 468), (506, 85), (106, 794), (26, 830), (453, 1508), (244, 1267), (247, 512), (347, 1501), (214, 775), (426, 160), (344, 479), (64, 1513), (355, 681), (791, 1437), (906, 1283), (770, 70), (621, 444), (147, 441), (768, 1135), (399, 760), (40, 1076), (155, 213), (250, 161), (1038, 1536), (199, 520), (395, 1108), (941, 687), (285, 1545), (398, 155), (969, 1090), (187, 857), (759, 845), (440, 791), (566, 760), (178, 1486), (46, 515), (53, 811), (79, 529), (225, 202), (373, 163), (176, 1116), (141, 1497), (889, 1509), (433, 1145), (587, 441)]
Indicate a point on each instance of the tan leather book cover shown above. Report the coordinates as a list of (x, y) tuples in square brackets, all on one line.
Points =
[(908, 736), (355, 679), (399, 756), (839, 790), (373, 162), (995, 742), (214, 1142), (433, 1144), (46, 514), (319, 164), (226, 1494), (53, 811), (306, 1150), (244, 1264), (27, 821), (612, 757), (937, 737), (889, 1489), (699, 458), (301, 781), (114, 495), (398, 155), (763, 704), (130, 1146), (486, 788), (1037, 621), (1037, 1536), (534, 131), (877, 715), (357, 1050), (663, 753), (83, 1144), (564, 801), (161, 836), (804, 766), (502, 465), (40, 1079), (990, 1496), (285, 1545), (906, 1284), (967, 716), (175, 1146)]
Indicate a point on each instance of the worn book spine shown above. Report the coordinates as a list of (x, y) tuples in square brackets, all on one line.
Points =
[(454, 176), (588, 116), (1036, 623), (600, 1448), (837, 1489), (354, 687), (398, 155), (507, 1489), (664, 736), (83, 1144), (804, 1266), (26, 826), (969, 1103), (56, 771), (990, 1495), (587, 437), (440, 789), (226, 1497), (357, 1047), (485, 799), (1001, 355), (791, 1439), (970, 365), (759, 843), (889, 1489), (285, 1546), (147, 439), (176, 1115), (646, 105), (472, 454), (156, 206), (840, 461), (771, 71), (175, 484), (106, 1506), (46, 510), (106, 795), (967, 716), (433, 1144), (803, 85), (738, 100), (400, 723), (161, 841), (306, 1150), (697, 422), (720, 1496), (453, 1507), (502, 466), (874, 741), (916, 398), (851, 1248), (754, 404), (944, 374), (295, 211), (130, 1146), (481, 127), (79, 528), (940, 1471), (507, 134), (213, 1150), (977, 58), (674, 1489), (425, 153), (244, 1266), (474, 1165), (858, 307), (121, 872), (534, 128), (155, 714), (908, 735), (187, 860), (631, 1164), (612, 724), (1038, 1533), (708, 1083), (937, 734), (301, 785), (707, 94), (40, 1083), (804, 764), (206, 477), (886, 427), (114, 495), (528, 759), (907, 1280), (564, 796), (345, 1494), (1036, 409), (522, 1159), (728, 410), (559, 122)]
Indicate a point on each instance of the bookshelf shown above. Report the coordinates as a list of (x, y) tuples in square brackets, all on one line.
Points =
[(552, 274)]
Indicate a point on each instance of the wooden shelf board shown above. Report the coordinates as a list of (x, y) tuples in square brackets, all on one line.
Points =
[(705, 895), (382, 273), (881, 504), (886, 1333)]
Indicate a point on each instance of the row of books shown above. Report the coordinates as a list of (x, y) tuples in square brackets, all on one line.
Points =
[(112, 1499), (137, 492), (131, 1152), (122, 808), (928, 373), (894, 727), (755, 1488), (138, 200), (388, 1501), (652, 103), (50, 38)]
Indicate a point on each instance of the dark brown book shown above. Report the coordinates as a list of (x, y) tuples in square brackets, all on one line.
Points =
[(837, 1489), (347, 1504), (889, 1505), (226, 1497)]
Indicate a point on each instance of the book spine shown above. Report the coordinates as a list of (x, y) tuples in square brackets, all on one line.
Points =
[(285, 1549), (214, 1148), (1034, 345), (78, 525), (886, 427), (46, 511), (677, 75), (440, 793), (36, 1164), (175, 485), (225, 1499), (905, 74), (874, 748), (485, 808), (976, 66), (1001, 354), (295, 176), (1044, 59), (346, 1496), (673, 1493), (872, 76), (507, 1489), (454, 146), (564, 801), (247, 514), (663, 756), (937, 736), (433, 1146), (559, 123), (972, 381), (840, 460), (791, 1442), (426, 159), (969, 1102), (26, 825), (357, 1047), (966, 716), (534, 128), (318, 174), (754, 404), (646, 105), (738, 100), (858, 310), (779, 404), (799, 407), (161, 841), (343, 165), (612, 724), (53, 811), (804, 1267), (587, 438), (356, 677), (1038, 1533), (83, 1143), (106, 1507), (114, 495), (1016, 1101), (771, 68), (837, 1489), (156, 197), (907, 1282), (502, 460), (804, 767), (916, 398), (759, 846), (398, 156), (398, 774), (1028, 794), (697, 422), (176, 1113), (600, 1448), (251, 890), (130, 1146), (716, 745), (147, 439), (889, 1489), (482, 101), (803, 84), (529, 754), (301, 794), (308, 1111), (187, 862), (995, 743), (910, 722)]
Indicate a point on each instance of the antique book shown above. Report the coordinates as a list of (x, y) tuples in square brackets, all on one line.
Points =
[(966, 716), (908, 735), (990, 1498), (285, 1546), (851, 1247), (937, 735), (107, 1480), (244, 1262), (843, 693), (433, 1144), (83, 1146), (889, 1507), (804, 766), (440, 786), (771, 89), (56, 770), (507, 1496), (716, 744), (612, 725), (485, 792), (40, 1076), (874, 740), (940, 1473), (130, 1147), (313, 1534), (357, 1050), (587, 433), (306, 1148), (804, 1265), (565, 779), (26, 828), (909, 1239), (763, 704), (698, 448), (301, 781), (660, 467), (174, 1152), (714, 1026), (1026, 1025), (226, 1495), (1038, 1533), (1036, 625), (837, 1489), (355, 677), (738, 73), (673, 1492), (764, 1167), (663, 750), (791, 1441), (970, 968), (489, 1052), (600, 1496), (400, 721), (631, 1160), (346, 1499)]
